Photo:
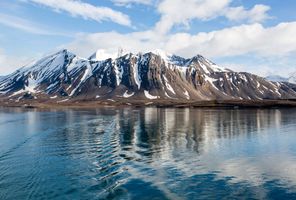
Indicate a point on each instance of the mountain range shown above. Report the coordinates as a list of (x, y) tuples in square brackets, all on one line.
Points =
[(143, 77)]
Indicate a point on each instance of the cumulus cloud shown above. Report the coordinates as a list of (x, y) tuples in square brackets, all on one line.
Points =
[(85, 44), (278, 40), (176, 12), (257, 14), (86, 10), (272, 42), (249, 38)]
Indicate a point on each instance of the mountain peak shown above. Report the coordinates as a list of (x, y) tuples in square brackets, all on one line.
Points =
[(161, 53), (102, 54), (59, 52), (169, 57)]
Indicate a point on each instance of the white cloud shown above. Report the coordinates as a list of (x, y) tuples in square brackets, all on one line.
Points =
[(261, 66), (253, 38), (272, 47), (273, 42), (86, 10), (129, 2), (257, 14), (176, 12), (182, 11), (27, 26), (278, 40), (85, 44)]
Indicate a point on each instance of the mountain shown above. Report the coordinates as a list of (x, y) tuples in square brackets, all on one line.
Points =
[(275, 78), (152, 76)]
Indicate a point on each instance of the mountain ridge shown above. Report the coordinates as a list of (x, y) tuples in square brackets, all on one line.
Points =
[(151, 76)]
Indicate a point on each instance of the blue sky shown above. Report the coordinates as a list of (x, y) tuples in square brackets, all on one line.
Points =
[(244, 35)]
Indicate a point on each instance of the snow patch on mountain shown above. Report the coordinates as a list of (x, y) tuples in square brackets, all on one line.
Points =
[(149, 96), (86, 75), (32, 84), (168, 86), (166, 94), (211, 81), (186, 94), (164, 55), (136, 75), (126, 95), (170, 58), (118, 73), (101, 55)]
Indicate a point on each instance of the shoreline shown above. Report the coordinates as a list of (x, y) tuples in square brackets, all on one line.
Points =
[(158, 104)]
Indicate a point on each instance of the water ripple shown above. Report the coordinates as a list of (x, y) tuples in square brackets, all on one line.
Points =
[(148, 154)]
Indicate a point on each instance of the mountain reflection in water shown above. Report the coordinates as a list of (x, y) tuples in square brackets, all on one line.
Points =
[(151, 153)]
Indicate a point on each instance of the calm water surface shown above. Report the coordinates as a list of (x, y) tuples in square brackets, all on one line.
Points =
[(148, 154)]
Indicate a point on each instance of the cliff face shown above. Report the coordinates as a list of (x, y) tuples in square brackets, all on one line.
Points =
[(149, 76)]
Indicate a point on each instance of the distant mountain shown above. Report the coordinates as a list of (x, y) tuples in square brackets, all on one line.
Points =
[(292, 78), (146, 77), (276, 78)]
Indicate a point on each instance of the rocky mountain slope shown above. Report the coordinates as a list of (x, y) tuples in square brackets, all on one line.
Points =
[(151, 76)]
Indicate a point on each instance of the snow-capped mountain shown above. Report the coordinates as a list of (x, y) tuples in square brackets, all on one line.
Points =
[(148, 76)]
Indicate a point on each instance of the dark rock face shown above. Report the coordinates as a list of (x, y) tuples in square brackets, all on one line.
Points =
[(150, 76)]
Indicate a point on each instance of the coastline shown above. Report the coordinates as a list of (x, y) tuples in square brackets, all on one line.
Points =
[(156, 103)]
